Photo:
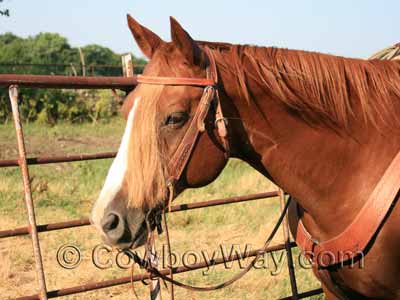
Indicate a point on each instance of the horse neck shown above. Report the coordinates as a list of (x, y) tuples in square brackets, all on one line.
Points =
[(329, 174)]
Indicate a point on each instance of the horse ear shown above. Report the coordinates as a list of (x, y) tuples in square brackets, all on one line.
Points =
[(146, 39), (188, 47)]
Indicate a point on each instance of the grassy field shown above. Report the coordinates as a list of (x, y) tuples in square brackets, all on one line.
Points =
[(63, 192)]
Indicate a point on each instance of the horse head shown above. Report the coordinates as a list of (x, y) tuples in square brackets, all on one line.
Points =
[(158, 118)]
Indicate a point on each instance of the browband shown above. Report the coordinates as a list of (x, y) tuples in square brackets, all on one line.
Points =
[(202, 82)]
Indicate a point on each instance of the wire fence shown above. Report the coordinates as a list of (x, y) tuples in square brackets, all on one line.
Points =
[(66, 69)]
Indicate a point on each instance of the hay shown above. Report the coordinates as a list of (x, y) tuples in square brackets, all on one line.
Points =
[(389, 53)]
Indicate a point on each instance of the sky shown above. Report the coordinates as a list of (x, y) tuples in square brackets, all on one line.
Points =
[(354, 28)]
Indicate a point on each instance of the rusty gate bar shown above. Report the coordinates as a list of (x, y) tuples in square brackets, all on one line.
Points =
[(44, 228), (13, 64), (13, 91), (175, 208), (42, 160), (139, 277), (68, 82), (288, 248)]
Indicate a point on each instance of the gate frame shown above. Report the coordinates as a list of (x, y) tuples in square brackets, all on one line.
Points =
[(13, 81)]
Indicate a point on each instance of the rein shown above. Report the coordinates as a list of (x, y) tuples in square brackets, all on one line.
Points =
[(180, 160), (154, 271)]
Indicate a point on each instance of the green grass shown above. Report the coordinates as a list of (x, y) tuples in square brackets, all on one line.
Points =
[(63, 192)]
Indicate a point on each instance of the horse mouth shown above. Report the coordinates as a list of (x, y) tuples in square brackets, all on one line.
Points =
[(129, 240)]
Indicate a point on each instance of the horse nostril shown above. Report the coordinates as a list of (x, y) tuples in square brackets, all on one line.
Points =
[(115, 228), (110, 222)]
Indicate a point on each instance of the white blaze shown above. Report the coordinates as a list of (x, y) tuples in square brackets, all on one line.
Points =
[(116, 173)]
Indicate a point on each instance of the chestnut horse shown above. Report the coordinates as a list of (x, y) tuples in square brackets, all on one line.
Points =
[(323, 128)]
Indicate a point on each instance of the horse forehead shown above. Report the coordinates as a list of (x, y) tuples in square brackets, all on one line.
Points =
[(170, 62)]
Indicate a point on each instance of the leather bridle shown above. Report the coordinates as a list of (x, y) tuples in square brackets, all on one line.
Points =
[(181, 157)]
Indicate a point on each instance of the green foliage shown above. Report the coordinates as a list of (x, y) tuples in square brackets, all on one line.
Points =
[(73, 106), (49, 106), (98, 55)]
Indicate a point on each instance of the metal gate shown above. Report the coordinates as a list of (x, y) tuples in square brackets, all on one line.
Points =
[(12, 82)]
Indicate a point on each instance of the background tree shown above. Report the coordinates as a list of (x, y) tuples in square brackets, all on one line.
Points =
[(4, 11), (50, 53)]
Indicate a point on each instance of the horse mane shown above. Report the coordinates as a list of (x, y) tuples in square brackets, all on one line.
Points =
[(320, 88), (145, 174)]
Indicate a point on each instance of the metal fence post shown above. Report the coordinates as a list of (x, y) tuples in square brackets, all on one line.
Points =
[(288, 248), (13, 92)]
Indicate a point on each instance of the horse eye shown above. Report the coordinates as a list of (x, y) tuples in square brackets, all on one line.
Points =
[(176, 118)]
